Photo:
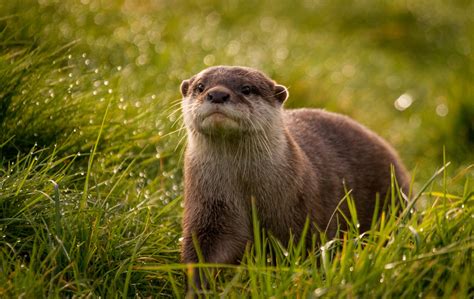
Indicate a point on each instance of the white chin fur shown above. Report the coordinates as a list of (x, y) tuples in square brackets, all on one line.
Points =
[(218, 122), (218, 119)]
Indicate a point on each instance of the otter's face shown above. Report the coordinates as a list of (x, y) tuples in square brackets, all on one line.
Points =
[(227, 100)]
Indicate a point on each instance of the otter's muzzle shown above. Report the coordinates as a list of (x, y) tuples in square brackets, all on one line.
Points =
[(217, 96)]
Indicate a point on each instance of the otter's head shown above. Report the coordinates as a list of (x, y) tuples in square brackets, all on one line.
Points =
[(226, 101)]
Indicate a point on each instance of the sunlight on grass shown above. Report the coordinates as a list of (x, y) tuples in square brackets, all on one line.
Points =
[(91, 142)]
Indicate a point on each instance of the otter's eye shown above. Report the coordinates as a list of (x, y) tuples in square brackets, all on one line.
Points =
[(246, 90), (200, 87)]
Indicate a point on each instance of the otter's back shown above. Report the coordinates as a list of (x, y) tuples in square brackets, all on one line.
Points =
[(352, 155)]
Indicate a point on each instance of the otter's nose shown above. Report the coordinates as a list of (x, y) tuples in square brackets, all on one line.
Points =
[(217, 97)]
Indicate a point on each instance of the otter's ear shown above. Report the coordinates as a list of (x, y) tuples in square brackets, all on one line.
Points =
[(281, 93), (184, 87)]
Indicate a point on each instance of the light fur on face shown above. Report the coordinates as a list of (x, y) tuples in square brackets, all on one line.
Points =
[(241, 134)]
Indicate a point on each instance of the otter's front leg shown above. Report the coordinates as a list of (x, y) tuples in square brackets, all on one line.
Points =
[(218, 231)]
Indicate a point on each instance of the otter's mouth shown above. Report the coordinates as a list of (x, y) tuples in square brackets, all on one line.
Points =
[(217, 114), (218, 120), (217, 117)]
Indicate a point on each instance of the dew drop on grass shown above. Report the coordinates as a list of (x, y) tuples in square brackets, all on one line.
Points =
[(351, 269), (358, 225), (403, 102), (319, 292), (442, 110), (404, 258)]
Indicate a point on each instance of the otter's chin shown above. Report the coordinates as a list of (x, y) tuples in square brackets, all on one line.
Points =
[(219, 123)]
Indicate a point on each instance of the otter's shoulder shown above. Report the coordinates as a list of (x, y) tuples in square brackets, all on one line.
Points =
[(319, 119), (317, 123)]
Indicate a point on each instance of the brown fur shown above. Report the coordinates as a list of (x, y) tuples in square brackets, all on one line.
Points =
[(295, 163)]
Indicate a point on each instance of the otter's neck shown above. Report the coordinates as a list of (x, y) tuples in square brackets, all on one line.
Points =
[(244, 155)]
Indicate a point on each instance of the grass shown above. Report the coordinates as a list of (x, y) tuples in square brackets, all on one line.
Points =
[(91, 146)]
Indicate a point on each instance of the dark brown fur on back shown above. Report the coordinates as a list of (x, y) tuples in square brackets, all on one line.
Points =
[(295, 163)]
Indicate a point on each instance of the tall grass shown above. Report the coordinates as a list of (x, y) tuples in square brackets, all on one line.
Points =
[(90, 142), (407, 254)]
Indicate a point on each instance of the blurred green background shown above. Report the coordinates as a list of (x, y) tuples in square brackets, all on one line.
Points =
[(403, 68), (89, 99)]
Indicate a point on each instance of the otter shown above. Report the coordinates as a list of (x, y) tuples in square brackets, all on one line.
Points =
[(296, 164)]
